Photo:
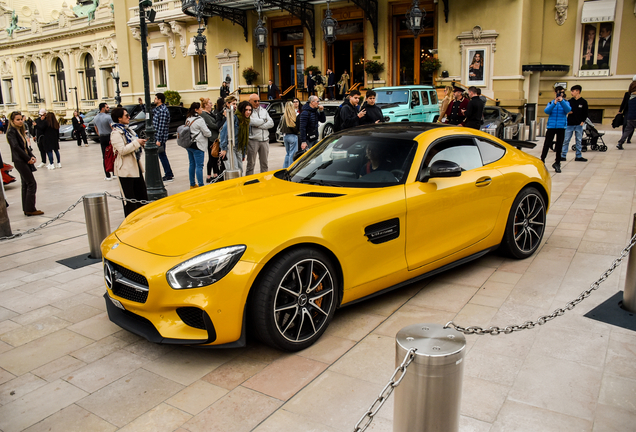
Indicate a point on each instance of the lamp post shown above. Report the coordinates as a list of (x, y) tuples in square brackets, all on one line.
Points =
[(76, 100), (260, 32), (36, 99), (154, 184), (115, 76), (414, 18), (329, 25), (200, 42)]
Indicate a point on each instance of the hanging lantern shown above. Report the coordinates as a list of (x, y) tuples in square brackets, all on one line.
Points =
[(200, 42), (329, 25), (414, 18), (260, 34)]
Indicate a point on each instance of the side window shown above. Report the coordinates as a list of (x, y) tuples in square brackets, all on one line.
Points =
[(462, 151), (276, 109), (490, 152), (415, 98), (434, 100), (425, 98)]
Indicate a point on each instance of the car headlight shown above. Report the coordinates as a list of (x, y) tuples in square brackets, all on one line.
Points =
[(205, 269)]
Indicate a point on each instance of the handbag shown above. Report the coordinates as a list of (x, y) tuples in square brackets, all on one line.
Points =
[(109, 159), (32, 167), (618, 120), (216, 148)]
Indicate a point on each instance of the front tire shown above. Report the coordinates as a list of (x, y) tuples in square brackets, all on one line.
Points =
[(294, 299), (526, 224), (327, 131)]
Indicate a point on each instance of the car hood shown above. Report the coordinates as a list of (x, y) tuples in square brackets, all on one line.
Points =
[(195, 220)]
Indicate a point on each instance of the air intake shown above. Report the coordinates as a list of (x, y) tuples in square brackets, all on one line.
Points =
[(320, 195)]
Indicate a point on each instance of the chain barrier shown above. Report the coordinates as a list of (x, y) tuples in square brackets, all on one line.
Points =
[(368, 416), (60, 215), (494, 330)]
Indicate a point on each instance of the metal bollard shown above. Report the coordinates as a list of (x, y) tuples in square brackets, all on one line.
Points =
[(521, 136), (97, 222), (231, 173), (491, 130), (543, 124), (507, 133), (429, 397), (532, 135), (629, 293)]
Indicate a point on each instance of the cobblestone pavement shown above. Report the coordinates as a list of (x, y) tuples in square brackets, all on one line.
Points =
[(65, 367)]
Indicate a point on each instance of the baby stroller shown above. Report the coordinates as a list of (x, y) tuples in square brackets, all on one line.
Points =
[(591, 137)]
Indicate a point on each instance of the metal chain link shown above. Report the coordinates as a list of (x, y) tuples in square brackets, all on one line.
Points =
[(130, 200), (494, 330), (368, 416)]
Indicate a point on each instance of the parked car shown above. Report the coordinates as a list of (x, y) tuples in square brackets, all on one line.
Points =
[(499, 118), (366, 210), (133, 110), (416, 103), (178, 117), (66, 132), (275, 108), (324, 129)]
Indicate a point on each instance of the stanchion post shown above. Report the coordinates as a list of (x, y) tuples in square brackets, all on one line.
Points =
[(429, 397), (97, 222), (532, 133), (521, 136), (629, 293), (5, 225), (543, 123), (231, 173)]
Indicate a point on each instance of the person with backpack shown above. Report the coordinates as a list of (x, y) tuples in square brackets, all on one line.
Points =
[(312, 114), (199, 134), (210, 122), (349, 114)]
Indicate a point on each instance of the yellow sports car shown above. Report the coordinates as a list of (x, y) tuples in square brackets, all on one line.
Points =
[(365, 211)]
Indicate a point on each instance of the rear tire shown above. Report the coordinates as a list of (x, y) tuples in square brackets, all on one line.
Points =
[(294, 299), (526, 224)]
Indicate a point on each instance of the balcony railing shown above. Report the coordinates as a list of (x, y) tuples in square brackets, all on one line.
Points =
[(33, 106), (59, 105), (160, 6), (88, 104)]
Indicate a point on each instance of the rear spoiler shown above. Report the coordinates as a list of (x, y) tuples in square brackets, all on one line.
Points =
[(521, 144)]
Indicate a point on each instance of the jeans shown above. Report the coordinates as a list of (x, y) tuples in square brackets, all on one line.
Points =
[(165, 163), (291, 147), (578, 131), (50, 155), (196, 158)]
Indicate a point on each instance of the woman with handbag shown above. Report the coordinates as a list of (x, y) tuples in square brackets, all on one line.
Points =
[(213, 142), (199, 134), (128, 163), (24, 162), (241, 135), (78, 129), (289, 127)]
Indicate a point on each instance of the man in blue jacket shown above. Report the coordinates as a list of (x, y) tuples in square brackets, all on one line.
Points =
[(313, 114), (557, 111)]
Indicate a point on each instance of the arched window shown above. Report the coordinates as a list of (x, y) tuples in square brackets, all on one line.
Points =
[(35, 86), (61, 80), (91, 81)]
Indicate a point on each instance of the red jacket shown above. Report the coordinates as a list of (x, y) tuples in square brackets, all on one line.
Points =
[(454, 112)]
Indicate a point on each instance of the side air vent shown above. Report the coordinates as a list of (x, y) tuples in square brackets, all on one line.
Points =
[(251, 182), (320, 195), (383, 231)]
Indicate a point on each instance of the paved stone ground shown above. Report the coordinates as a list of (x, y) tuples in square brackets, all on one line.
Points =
[(65, 367)]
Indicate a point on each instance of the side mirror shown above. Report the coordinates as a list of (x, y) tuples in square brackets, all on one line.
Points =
[(444, 168)]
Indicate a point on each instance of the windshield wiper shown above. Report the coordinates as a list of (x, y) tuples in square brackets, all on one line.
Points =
[(319, 182)]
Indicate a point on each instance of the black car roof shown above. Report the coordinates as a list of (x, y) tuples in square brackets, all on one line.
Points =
[(402, 130)]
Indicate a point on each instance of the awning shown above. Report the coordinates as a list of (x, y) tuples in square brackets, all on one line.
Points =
[(598, 11), (545, 68), (156, 53)]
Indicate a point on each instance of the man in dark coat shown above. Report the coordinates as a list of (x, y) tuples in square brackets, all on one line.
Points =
[(310, 83), (225, 90), (331, 85), (604, 44), (373, 112), (349, 114), (474, 109), (456, 111), (313, 113), (272, 90)]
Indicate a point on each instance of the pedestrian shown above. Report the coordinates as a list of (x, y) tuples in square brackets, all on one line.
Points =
[(290, 129), (343, 83), (199, 134), (313, 113), (373, 112), (79, 129), (557, 110), (228, 102), (142, 106), (331, 85), (576, 120), (210, 121), (310, 82), (52, 140), (320, 85), (241, 134), (102, 122), (225, 90), (3, 124), (40, 126), (456, 111), (128, 162), (624, 110), (630, 117), (474, 110), (272, 90), (23, 161), (260, 124), (448, 99), (349, 114), (297, 106), (161, 123)]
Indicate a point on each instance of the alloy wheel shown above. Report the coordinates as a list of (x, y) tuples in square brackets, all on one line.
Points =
[(529, 223)]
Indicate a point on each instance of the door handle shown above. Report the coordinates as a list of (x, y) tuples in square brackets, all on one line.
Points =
[(483, 181)]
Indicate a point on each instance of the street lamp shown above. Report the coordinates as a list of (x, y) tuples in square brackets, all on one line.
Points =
[(115, 76), (200, 41), (76, 100), (260, 32), (414, 18), (36, 99), (154, 184), (329, 25)]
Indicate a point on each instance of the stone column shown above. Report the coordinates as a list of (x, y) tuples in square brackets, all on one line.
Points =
[(18, 84), (101, 87), (43, 78), (70, 72)]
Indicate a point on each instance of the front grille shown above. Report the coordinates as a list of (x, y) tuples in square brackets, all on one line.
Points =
[(192, 316), (129, 293), (121, 281), (129, 274)]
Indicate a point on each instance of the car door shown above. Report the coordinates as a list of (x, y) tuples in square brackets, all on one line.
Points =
[(446, 215), (426, 107), (415, 113), (275, 111)]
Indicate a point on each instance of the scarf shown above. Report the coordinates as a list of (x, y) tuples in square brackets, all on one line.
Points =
[(243, 136), (129, 136)]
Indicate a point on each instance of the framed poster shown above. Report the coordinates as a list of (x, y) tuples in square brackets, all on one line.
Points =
[(227, 75), (476, 69)]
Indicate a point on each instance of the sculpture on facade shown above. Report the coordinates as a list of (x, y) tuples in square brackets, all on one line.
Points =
[(86, 8), (14, 24), (561, 11)]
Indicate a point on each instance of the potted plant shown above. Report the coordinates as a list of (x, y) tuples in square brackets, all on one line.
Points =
[(250, 75), (313, 69), (375, 68), (172, 97), (430, 64)]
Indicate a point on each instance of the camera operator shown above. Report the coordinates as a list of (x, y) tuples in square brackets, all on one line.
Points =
[(557, 111)]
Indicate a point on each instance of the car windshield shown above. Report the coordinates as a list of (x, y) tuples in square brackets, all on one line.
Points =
[(90, 115), (386, 98), (359, 161), (491, 114), (140, 116)]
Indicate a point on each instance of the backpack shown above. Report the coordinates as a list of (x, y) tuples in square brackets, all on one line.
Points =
[(337, 121), (184, 139)]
